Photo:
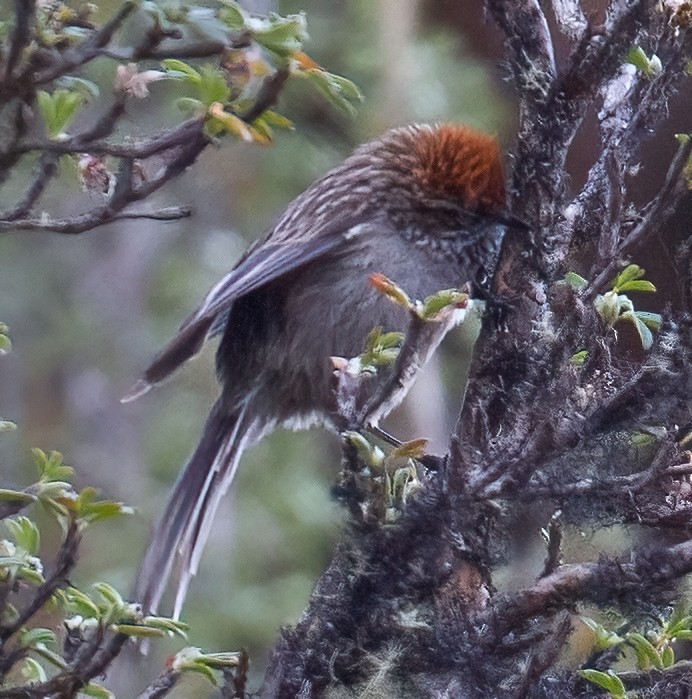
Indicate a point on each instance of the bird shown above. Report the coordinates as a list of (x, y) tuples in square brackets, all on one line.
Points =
[(424, 205)]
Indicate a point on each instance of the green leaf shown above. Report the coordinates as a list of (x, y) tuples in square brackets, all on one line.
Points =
[(103, 509), (213, 86), (369, 453), (638, 58), (345, 87), (668, 656), (645, 335), (110, 594), (630, 274), (276, 120), (46, 107), (647, 655), (7, 426), (606, 680), (684, 634), (608, 307), (436, 303), (337, 90), (33, 671), (58, 109), (9, 495), (651, 320), (25, 534), (381, 349), (579, 358), (390, 340), (31, 575), (168, 626), (190, 106), (576, 281), (679, 621), (33, 637), (51, 466), (220, 661), (51, 656), (642, 439), (89, 89), (5, 344), (637, 285), (604, 637), (650, 67), (263, 132), (281, 35), (232, 14), (181, 71), (202, 669), (96, 690), (138, 631), (221, 121), (80, 602)]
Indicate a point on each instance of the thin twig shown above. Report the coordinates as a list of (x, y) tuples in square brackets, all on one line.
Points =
[(124, 194), (104, 126), (203, 49), (87, 49), (141, 149), (267, 95), (635, 482), (47, 168), (21, 35), (161, 686), (92, 661), (654, 217), (100, 217), (65, 561)]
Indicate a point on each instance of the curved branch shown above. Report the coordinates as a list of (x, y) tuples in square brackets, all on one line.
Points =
[(644, 572)]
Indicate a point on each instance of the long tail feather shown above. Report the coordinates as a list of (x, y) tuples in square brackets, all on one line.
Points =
[(185, 345), (180, 535)]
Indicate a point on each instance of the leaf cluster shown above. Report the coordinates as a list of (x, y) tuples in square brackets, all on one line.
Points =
[(233, 64), (655, 649), (36, 661)]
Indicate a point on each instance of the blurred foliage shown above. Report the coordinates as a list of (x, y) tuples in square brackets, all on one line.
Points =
[(88, 312)]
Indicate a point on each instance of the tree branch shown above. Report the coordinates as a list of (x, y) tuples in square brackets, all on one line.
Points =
[(21, 35), (647, 572)]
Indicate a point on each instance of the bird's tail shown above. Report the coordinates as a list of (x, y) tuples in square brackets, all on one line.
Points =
[(182, 531)]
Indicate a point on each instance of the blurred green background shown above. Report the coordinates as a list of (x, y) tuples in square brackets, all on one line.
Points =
[(87, 312)]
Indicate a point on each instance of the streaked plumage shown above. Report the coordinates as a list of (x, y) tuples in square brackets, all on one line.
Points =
[(423, 205)]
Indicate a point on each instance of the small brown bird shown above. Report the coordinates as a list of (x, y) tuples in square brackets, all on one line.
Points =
[(424, 205)]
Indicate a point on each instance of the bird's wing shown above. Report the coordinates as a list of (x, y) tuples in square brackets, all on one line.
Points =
[(262, 264)]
